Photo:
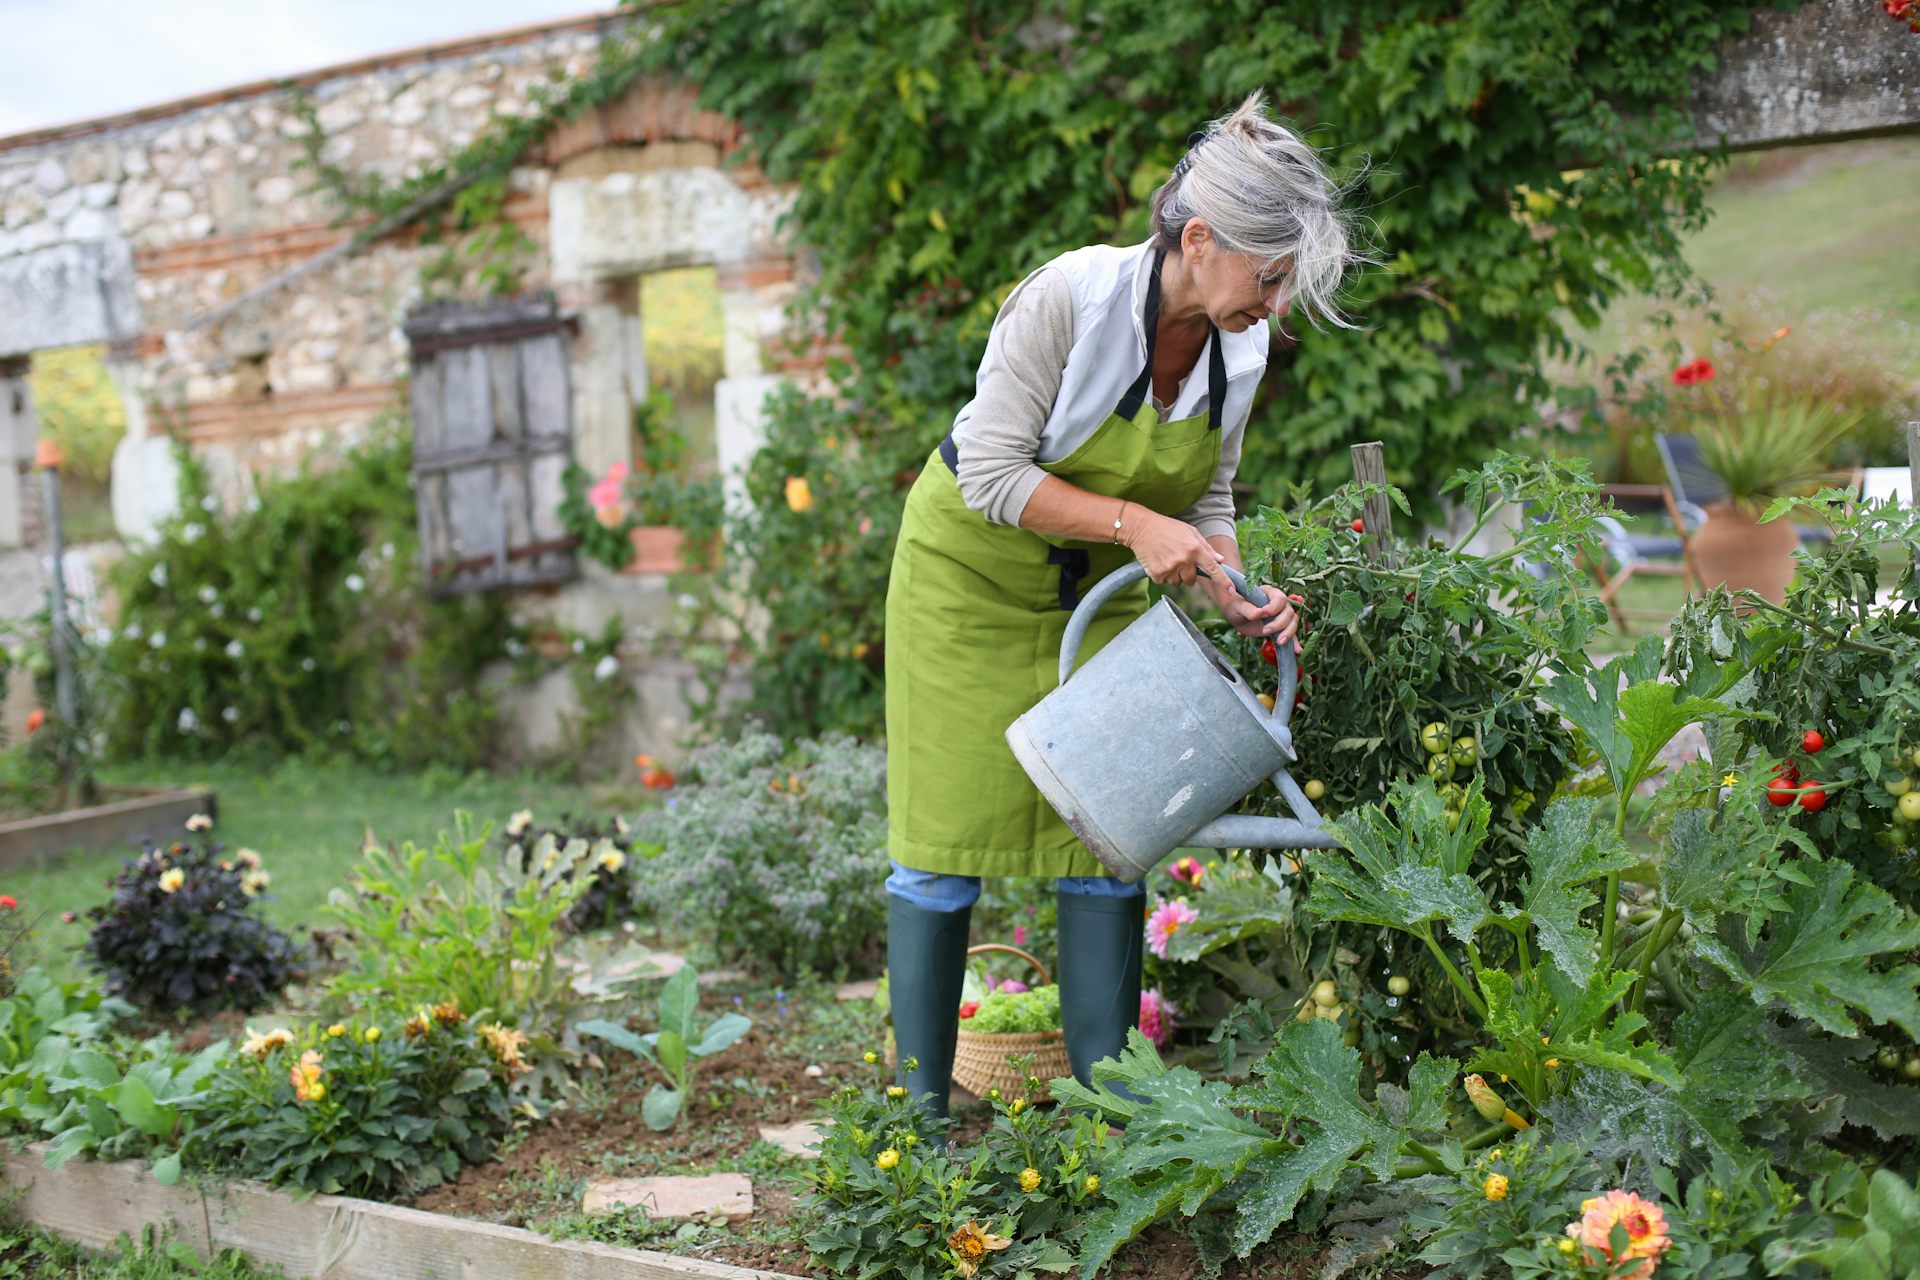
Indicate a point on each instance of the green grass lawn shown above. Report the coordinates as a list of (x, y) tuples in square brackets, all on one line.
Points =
[(308, 821)]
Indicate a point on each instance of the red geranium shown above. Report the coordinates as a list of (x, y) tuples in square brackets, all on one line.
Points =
[(970, 1008), (1897, 8), (1689, 374), (8, 902)]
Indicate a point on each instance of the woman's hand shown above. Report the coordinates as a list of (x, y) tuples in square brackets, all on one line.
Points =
[(1276, 619), (1173, 551)]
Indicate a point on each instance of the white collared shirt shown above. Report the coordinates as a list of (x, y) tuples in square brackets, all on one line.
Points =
[(1066, 345)]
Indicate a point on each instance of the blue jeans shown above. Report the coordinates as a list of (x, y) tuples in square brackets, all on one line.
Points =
[(937, 891)]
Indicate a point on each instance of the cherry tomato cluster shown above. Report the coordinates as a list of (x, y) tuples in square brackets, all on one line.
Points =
[(1907, 1065), (1788, 788), (1446, 755), (1899, 780)]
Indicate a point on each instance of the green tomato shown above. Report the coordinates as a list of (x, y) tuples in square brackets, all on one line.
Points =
[(1889, 1059), (1440, 767), (1915, 757), (1314, 788), (1910, 806), (1453, 820), (1466, 752), (1899, 784), (1435, 739), (1324, 994), (1398, 985), (1911, 1068)]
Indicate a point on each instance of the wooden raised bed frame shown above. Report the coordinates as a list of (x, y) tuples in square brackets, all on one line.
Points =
[(321, 1237), (128, 814)]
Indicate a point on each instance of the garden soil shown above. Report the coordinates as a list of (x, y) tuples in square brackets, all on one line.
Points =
[(755, 1082)]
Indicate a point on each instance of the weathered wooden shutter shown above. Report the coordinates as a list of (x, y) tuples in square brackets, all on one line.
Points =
[(491, 440)]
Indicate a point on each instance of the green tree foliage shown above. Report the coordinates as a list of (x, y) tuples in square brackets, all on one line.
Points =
[(79, 408), (1517, 163)]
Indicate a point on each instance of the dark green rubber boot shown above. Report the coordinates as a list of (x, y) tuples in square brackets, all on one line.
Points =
[(926, 962), (1099, 977)]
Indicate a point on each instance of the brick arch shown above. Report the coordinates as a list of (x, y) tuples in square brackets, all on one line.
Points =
[(649, 111)]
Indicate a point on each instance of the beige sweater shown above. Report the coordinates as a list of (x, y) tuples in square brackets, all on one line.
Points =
[(1014, 392)]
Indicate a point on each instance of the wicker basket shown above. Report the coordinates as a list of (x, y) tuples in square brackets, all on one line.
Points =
[(980, 1058)]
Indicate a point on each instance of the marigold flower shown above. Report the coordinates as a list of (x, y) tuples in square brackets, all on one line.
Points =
[(1166, 920), (1495, 1187), (1645, 1223), (1029, 1179), (970, 1245), (171, 880), (887, 1159), (1092, 1184), (799, 494)]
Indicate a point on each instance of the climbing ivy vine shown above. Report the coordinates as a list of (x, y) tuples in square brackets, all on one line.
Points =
[(1516, 163)]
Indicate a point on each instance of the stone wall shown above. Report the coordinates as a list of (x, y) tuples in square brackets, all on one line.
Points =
[(139, 230)]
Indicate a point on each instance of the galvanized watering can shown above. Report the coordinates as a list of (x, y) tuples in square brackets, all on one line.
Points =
[(1149, 745)]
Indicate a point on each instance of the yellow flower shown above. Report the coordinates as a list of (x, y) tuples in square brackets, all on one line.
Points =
[(316, 1092), (1729, 778), (171, 879), (337, 1030), (799, 494), (887, 1159), (1569, 1248), (861, 650), (970, 1244), (1491, 1105), (504, 1044), (613, 859), (249, 858), (447, 1013), (1029, 1179), (1019, 1105), (1645, 1225), (1092, 1183), (1497, 1153), (870, 1057), (896, 1091), (373, 1034), (417, 1027), (199, 822), (1495, 1186)]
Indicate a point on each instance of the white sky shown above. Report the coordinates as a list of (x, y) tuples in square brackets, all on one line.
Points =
[(71, 60)]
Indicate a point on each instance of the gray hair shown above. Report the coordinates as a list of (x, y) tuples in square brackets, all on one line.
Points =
[(1264, 192)]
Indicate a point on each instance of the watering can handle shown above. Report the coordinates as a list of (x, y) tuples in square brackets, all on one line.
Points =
[(1122, 578)]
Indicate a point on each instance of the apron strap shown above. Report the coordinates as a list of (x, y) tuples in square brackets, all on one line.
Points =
[(1216, 360), (1075, 564)]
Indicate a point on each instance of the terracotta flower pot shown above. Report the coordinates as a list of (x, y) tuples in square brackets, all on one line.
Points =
[(657, 548), (1735, 549)]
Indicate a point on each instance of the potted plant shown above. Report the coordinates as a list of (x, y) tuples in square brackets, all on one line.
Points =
[(1762, 447), (653, 517)]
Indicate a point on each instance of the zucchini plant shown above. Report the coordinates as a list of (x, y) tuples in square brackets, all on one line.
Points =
[(674, 1049)]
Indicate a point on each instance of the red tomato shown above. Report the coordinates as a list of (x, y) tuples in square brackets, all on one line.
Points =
[(1359, 526), (1780, 792), (1811, 742), (1270, 653), (1813, 801)]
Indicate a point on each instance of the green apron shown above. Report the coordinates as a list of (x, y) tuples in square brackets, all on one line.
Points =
[(975, 613)]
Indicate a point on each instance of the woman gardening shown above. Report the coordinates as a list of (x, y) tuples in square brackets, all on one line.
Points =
[(1106, 424)]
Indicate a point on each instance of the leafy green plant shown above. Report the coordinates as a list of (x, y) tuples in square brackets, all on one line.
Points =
[(1773, 449), (675, 1047), (461, 921), (890, 1200), (297, 623), (1880, 1247), (1013, 1012), (660, 488), (608, 896), (356, 1109), (28, 1253), (768, 853), (184, 930)]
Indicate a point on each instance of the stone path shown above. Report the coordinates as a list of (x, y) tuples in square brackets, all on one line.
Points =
[(727, 1195)]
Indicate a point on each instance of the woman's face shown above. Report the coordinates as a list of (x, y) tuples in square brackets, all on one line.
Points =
[(1236, 291)]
